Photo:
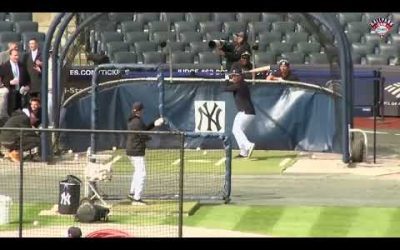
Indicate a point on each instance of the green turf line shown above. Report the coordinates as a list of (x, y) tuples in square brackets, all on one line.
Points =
[(393, 229), (259, 219), (334, 222), (296, 221)]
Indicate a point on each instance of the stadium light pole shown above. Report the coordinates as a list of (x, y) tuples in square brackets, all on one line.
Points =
[(44, 137)]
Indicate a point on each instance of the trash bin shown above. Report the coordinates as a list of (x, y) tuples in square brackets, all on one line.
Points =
[(69, 197), (5, 206)]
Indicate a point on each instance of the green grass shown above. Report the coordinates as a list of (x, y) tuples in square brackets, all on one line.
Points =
[(300, 221), (200, 161)]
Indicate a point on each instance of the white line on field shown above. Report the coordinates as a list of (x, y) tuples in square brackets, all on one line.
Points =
[(176, 162), (200, 161), (284, 162), (220, 161)]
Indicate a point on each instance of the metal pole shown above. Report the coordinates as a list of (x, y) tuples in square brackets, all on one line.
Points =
[(55, 72), (375, 109), (45, 148), (94, 111), (181, 183), (21, 187)]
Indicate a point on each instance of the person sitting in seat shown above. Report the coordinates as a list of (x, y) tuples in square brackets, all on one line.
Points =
[(10, 139), (284, 72)]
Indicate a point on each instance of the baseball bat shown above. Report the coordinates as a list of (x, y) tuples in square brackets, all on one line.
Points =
[(259, 69)]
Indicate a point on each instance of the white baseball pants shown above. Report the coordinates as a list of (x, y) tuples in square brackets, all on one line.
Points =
[(138, 177), (240, 124)]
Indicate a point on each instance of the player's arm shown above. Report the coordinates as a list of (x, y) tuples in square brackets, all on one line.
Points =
[(231, 88)]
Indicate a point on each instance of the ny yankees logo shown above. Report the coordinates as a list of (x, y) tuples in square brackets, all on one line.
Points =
[(65, 199), (210, 116)]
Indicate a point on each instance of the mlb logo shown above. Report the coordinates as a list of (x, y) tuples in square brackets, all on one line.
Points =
[(381, 26)]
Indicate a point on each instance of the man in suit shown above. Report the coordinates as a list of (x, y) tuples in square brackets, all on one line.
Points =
[(33, 64), (5, 55), (16, 79)]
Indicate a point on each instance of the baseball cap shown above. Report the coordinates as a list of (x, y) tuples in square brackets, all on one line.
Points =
[(74, 232), (235, 70), (137, 106), (283, 62), (245, 54)]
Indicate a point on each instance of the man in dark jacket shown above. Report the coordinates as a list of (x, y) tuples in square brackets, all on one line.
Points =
[(135, 149), (32, 62), (10, 139), (246, 114), (232, 52)]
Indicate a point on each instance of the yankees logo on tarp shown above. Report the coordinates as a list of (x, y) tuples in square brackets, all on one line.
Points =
[(209, 116), (392, 99)]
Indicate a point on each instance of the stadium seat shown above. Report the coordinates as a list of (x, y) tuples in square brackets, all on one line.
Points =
[(198, 17), (356, 58), (178, 57), (233, 27), (130, 26), (172, 17), (124, 57), (209, 58), (258, 27), (374, 39), (269, 37), (264, 58), (152, 57), (389, 50), (109, 36), (377, 59), (216, 36), (362, 49), (26, 36), (196, 47), (354, 37), (144, 46), (308, 48), (278, 48), (8, 36), (6, 26), (145, 17), (136, 36), (322, 37), (246, 17), (272, 17), (294, 57), (348, 17), (175, 46), (224, 16), (120, 17), (296, 37), (185, 26), (2, 16), (394, 39), (190, 36), (358, 27), (20, 16), (23, 26), (113, 47), (318, 58), (283, 27), (161, 36), (156, 26), (369, 17), (100, 26), (210, 26)]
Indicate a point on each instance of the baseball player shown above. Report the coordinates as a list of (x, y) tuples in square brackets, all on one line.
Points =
[(246, 112), (135, 149)]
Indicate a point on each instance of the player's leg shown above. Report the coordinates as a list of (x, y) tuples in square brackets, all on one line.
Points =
[(138, 176), (238, 134), (249, 146)]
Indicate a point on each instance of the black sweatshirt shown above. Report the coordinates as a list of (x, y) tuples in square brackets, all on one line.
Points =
[(242, 97), (136, 143)]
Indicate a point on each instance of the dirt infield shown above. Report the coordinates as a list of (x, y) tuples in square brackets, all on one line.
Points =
[(150, 231)]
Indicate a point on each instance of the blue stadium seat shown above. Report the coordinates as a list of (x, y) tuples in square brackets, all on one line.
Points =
[(198, 17), (163, 36), (283, 27), (145, 17), (175, 46), (130, 26), (172, 17), (234, 27), (124, 57), (369, 17), (178, 57), (380, 60), (318, 58), (224, 16), (358, 27), (373, 39), (308, 48), (8, 36), (6, 26), (362, 49), (278, 48), (190, 36), (120, 17), (209, 58), (217, 36), (264, 58), (255, 28), (185, 26), (348, 17), (269, 37), (144, 46), (210, 26), (296, 37), (137, 36), (354, 37), (246, 17), (23, 26), (156, 26), (113, 47), (196, 47), (272, 17), (20, 16), (294, 57), (2, 16), (152, 57)]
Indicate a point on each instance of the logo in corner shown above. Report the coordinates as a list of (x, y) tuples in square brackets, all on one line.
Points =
[(381, 26)]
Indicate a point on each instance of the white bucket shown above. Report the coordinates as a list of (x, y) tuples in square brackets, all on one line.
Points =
[(5, 206)]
